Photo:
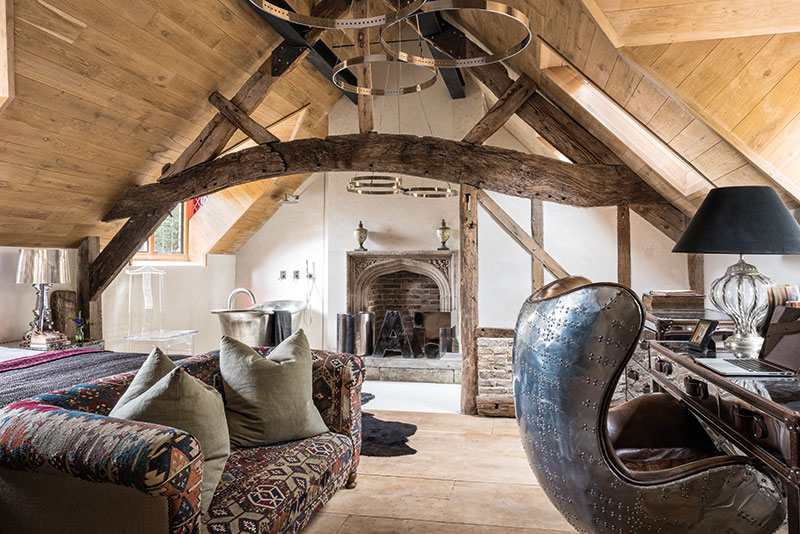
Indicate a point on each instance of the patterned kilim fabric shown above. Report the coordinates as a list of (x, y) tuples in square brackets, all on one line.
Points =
[(68, 430), (302, 476), (157, 460)]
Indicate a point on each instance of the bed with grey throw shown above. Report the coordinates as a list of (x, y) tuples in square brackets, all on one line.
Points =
[(17, 384)]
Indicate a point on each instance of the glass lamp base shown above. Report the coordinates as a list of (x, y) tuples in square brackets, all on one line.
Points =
[(744, 345), (741, 295)]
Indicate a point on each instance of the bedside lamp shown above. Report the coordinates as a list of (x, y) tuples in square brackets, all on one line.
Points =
[(42, 268), (741, 220)]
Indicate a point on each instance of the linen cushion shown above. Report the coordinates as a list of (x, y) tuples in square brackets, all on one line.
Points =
[(181, 401), (269, 400), (154, 368)]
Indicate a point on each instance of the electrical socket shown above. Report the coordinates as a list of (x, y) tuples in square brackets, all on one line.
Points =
[(282, 275), (296, 275)]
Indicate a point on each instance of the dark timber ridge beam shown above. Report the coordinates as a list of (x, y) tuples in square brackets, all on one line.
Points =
[(319, 55), (496, 169), (209, 143), (429, 25), (557, 128)]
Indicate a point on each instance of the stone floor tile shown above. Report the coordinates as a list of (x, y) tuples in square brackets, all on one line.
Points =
[(325, 522)]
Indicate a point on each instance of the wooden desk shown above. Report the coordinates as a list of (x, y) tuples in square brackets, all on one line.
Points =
[(760, 416)]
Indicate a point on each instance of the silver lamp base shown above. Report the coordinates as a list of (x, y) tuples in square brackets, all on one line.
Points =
[(744, 345), (740, 293), (42, 320)]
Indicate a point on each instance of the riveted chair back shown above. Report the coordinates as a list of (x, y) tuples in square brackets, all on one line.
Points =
[(573, 340)]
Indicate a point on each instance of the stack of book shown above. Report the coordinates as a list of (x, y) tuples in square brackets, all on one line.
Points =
[(48, 340), (678, 299)]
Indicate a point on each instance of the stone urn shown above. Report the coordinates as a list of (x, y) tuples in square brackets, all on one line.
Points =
[(360, 234), (443, 233)]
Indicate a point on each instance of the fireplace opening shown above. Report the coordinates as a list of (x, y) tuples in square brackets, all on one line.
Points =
[(405, 292), (407, 283)]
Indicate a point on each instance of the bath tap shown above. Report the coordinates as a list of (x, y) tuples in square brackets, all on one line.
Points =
[(238, 290)]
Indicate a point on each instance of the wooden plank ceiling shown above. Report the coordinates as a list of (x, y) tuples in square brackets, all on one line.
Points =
[(646, 22), (107, 92), (696, 138)]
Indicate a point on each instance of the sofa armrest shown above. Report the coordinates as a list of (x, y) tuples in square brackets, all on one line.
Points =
[(157, 460), (337, 382)]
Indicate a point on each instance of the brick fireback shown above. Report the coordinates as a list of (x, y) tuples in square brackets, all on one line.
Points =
[(404, 291)]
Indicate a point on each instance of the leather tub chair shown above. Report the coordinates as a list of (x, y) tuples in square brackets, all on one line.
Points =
[(645, 466)]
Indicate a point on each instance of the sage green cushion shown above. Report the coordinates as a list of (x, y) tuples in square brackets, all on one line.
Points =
[(154, 368), (178, 400), (269, 400)]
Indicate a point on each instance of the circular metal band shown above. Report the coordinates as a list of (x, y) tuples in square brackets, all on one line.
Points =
[(338, 24), (379, 58), (375, 185), (429, 192), (477, 5)]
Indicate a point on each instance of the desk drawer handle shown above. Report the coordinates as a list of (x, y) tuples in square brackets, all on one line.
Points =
[(753, 422), (695, 388)]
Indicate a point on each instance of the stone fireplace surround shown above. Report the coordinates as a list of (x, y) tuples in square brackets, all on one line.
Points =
[(364, 268)]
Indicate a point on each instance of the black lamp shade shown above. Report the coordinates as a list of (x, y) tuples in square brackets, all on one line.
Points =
[(741, 220)]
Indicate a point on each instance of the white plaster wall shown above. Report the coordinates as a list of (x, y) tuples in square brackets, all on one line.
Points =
[(653, 266), (190, 293), (293, 236), (16, 300)]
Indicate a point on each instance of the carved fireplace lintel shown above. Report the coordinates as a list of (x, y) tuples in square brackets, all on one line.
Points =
[(364, 267)]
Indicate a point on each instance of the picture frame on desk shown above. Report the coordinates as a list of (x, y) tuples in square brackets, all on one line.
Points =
[(701, 336)]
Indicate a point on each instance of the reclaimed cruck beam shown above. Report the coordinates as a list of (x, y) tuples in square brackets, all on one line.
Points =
[(486, 167)]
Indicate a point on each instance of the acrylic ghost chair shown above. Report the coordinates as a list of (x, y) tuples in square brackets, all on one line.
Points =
[(572, 343)]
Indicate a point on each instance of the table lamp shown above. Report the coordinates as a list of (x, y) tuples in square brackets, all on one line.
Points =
[(741, 220), (42, 268)]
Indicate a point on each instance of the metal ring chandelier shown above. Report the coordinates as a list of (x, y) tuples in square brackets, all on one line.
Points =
[(379, 58), (339, 23), (375, 185), (476, 5), (430, 192)]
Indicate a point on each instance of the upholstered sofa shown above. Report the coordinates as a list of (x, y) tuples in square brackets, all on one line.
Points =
[(66, 467)]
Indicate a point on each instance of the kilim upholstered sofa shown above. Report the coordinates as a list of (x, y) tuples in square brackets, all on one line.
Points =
[(66, 467)]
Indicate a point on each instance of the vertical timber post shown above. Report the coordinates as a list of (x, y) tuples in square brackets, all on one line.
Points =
[(537, 232), (468, 295), (624, 246), (90, 309), (363, 72), (695, 265)]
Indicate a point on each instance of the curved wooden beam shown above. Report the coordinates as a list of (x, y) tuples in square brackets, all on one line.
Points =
[(485, 167)]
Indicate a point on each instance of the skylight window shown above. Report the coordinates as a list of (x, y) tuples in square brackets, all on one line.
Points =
[(679, 173)]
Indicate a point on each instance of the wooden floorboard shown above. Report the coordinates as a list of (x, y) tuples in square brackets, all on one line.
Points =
[(469, 476)]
